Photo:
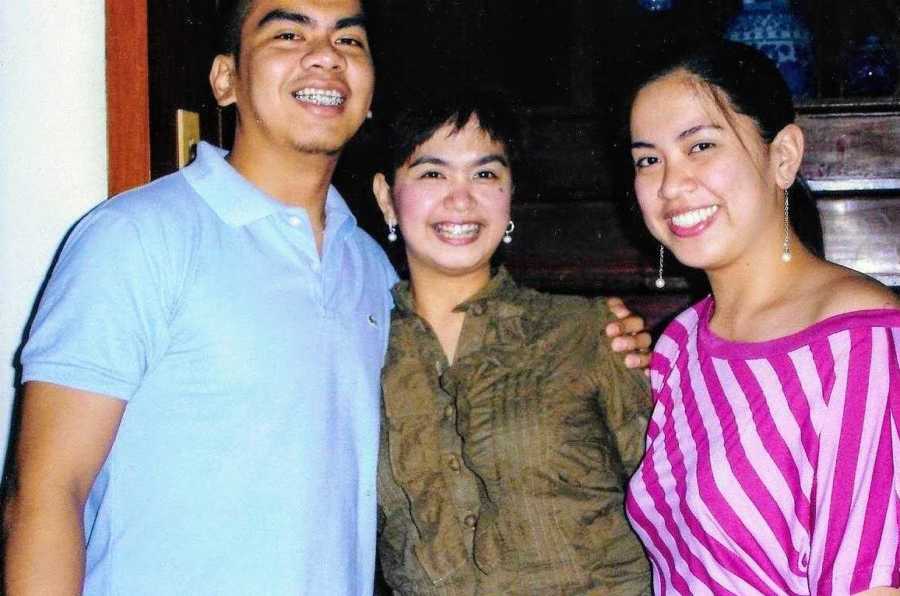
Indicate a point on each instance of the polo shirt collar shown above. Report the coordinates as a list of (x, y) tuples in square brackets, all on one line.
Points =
[(237, 201)]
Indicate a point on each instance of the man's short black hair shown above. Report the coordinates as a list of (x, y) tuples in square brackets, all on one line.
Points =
[(418, 119), (232, 14)]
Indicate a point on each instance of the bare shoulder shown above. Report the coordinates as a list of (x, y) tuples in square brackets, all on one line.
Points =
[(843, 290)]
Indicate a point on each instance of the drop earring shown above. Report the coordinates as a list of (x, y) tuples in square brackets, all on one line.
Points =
[(507, 235), (660, 282), (786, 244), (392, 232), (369, 115)]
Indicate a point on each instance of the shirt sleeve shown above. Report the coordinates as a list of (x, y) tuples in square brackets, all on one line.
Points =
[(625, 395), (855, 531), (101, 318)]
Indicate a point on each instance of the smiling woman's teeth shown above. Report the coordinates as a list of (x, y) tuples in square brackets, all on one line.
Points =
[(319, 97), (457, 230), (692, 218)]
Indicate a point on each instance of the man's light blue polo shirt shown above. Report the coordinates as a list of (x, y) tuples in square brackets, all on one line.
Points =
[(245, 461)]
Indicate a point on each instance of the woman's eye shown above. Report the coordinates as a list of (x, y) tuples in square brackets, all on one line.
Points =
[(287, 36), (486, 175), (646, 161), (701, 147), (431, 174)]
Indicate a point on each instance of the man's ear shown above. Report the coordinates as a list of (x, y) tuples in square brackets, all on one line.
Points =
[(222, 79), (382, 191), (786, 154)]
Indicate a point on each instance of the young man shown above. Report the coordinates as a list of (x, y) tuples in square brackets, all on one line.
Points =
[(242, 317), (201, 408)]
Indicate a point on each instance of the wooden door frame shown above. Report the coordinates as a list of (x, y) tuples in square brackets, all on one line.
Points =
[(127, 95)]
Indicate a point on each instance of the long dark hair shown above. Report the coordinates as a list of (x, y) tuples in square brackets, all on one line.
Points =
[(744, 80)]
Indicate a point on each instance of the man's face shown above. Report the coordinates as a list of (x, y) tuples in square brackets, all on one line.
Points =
[(305, 77)]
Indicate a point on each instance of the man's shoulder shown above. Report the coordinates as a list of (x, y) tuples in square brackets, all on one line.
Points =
[(167, 197)]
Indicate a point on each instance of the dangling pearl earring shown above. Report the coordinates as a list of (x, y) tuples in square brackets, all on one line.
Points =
[(660, 282), (369, 115), (786, 245), (507, 236), (392, 232)]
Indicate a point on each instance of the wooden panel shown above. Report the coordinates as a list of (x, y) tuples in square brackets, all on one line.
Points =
[(128, 130), (864, 234), (850, 147), (598, 247), (852, 152)]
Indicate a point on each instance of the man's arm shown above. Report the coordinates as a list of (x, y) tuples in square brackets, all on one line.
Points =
[(65, 437)]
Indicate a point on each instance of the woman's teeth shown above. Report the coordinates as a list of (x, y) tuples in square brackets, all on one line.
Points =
[(457, 230), (693, 217), (320, 97)]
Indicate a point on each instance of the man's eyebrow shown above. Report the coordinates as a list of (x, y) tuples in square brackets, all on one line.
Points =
[(492, 158), (642, 145), (283, 15), (357, 20)]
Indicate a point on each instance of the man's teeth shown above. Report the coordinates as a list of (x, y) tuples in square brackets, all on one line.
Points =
[(457, 230), (320, 97), (692, 218)]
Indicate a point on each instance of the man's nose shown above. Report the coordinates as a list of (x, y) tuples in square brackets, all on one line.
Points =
[(322, 54)]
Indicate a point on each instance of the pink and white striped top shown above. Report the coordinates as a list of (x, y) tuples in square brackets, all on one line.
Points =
[(773, 467)]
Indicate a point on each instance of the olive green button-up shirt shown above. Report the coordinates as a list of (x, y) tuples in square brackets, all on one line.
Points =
[(504, 473)]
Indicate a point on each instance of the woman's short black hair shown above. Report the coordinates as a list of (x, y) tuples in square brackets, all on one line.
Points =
[(419, 118)]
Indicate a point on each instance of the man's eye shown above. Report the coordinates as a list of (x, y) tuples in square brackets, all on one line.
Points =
[(351, 41), (701, 147), (287, 36), (646, 161), (487, 175), (431, 174)]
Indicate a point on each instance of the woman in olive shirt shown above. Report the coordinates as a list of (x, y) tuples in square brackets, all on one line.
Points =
[(510, 426)]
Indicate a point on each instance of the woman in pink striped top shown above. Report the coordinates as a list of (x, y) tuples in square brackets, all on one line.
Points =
[(773, 453)]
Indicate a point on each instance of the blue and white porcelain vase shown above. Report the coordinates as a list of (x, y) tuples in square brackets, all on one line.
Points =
[(655, 5), (871, 68), (771, 26)]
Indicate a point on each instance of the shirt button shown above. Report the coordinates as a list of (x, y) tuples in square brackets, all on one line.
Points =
[(470, 520), (449, 411), (294, 221), (478, 309), (453, 463)]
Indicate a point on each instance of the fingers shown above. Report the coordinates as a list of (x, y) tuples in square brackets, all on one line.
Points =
[(632, 324), (617, 306), (631, 343), (638, 360)]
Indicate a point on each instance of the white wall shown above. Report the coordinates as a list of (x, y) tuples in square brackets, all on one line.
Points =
[(52, 150)]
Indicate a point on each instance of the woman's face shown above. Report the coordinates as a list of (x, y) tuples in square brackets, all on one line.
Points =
[(451, 201), (703, 181)]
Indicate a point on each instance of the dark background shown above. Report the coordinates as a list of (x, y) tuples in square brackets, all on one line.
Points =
[(564, 64)]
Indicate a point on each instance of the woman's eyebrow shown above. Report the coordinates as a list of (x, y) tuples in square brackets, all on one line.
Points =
[(695, 129)]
